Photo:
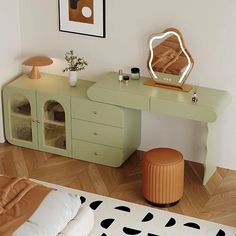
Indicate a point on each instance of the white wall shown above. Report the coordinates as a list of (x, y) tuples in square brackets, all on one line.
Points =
[(10, 46), (208, 30)]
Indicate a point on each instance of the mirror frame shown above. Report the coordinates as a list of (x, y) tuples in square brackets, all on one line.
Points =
[(167, 32)]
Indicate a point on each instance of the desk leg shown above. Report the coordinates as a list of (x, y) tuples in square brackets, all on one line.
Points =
[(211, 152)]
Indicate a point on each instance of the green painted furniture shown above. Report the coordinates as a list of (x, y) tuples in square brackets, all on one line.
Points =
[(136, 95), (49, 115), (100, 122), (104, 133)]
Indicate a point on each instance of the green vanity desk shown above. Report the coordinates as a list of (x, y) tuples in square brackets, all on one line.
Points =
[(136, 95)]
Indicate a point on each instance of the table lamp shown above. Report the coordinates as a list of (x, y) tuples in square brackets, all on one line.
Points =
[(36, 62)]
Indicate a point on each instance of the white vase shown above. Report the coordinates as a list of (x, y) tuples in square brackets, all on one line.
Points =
[(73, 78)]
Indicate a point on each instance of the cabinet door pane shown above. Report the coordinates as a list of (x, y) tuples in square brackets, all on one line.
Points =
[(20, 105), (54, 128), (21, 128), (54, 125), (20, 117)]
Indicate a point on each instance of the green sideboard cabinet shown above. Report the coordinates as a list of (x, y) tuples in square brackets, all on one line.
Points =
[(49, 115), (37, 119)]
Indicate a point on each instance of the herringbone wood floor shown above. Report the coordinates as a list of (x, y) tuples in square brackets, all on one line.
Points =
[(215, 202)]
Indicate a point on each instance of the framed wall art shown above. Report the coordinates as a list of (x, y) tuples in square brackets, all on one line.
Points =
[(85, 17)]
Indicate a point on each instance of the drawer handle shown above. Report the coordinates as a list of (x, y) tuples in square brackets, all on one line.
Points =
[(95, 133), (95, 113), (35, 121), (95, 154)]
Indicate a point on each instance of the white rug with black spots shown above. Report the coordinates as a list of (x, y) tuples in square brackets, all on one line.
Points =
[(119, 218)]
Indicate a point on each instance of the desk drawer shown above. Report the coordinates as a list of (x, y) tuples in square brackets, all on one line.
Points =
[(97, 133), (97, 112), (97, 153)]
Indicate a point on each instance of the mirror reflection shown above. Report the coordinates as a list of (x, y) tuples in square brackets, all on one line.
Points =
[(169, 62)]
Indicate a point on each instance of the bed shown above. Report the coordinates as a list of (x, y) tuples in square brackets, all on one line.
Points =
[(27, 209)]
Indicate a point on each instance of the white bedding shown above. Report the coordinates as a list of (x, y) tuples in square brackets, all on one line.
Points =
[(54, 213), (81, 225)]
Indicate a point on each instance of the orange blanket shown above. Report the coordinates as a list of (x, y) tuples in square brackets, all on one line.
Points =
[(19, 198)]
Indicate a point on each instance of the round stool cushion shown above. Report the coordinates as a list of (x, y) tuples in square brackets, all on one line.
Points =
[(163, 176)]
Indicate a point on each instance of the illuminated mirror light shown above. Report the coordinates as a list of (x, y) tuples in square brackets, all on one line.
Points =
[(160, 37)]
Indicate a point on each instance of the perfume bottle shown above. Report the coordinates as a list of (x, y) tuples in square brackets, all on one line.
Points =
[(195, 96), (120, 76)]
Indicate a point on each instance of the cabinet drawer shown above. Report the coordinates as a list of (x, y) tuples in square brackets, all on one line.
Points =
[(97, 133), (97, 112), (97, 153)]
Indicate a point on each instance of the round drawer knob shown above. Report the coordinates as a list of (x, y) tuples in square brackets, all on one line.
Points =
[(95, 154), (95, 113), (95, 133)]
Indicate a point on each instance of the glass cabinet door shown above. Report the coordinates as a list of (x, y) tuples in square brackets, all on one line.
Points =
[(19, 118), (54, 124)]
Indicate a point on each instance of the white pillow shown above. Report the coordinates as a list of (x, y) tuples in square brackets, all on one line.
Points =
[(53, 214), (81, 225)]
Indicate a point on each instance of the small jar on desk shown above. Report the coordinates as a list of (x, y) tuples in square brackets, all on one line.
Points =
[(135, 73), (126, 79)]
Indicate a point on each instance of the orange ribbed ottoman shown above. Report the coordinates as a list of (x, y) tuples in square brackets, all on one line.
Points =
[(163, 176)]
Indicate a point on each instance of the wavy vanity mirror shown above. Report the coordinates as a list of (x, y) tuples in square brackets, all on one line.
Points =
[(169, 62)]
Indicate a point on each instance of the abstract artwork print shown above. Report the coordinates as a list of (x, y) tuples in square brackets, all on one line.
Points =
[(85, 17)]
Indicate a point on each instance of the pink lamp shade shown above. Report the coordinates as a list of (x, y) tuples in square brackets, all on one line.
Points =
[(36, 62)]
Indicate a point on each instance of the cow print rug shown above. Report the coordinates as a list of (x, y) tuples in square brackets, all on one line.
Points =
[(119, 218)]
